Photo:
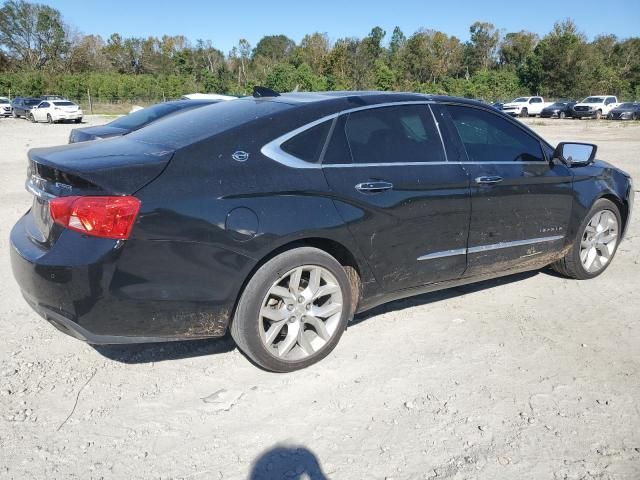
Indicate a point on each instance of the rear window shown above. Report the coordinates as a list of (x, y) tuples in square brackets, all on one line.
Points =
[(308, 144), (64, 104), (179, 130)]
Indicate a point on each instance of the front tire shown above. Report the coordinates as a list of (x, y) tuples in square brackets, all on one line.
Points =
[(562, 115), (595, 245), (31, 118), (49, 119), (524, 113), (598, 114), (293, 310)]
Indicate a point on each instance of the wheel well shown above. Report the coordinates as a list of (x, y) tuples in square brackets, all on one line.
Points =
[(333, 248), (622, 206)]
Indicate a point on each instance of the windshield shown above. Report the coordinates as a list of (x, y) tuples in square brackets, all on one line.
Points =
[(147, 115), (64, 104), (521, 100), (32, 101), (4, 100), (625, 105), (593, 100)]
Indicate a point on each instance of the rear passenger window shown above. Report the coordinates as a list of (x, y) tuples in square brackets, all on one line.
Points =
[(399, 134), (308, 144), (489, 138)]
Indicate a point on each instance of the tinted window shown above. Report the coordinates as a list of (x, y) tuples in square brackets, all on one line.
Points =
[(43, 105), (308, 144), (64, 103), (32, 103), (393, 134), (536, 100), (489, 138), (338, 150)]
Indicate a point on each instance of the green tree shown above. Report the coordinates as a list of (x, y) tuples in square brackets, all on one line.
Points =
[(32, 33), (482, 46)]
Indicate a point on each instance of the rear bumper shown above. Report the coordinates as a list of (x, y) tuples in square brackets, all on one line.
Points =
[(67, 116), (94, 290)]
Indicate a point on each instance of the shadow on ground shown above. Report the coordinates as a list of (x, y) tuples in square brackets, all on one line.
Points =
[(157, 352), (287, 461)]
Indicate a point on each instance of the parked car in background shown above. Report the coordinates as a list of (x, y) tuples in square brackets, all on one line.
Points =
[(561, 109), (207, 96), (5, 107), (525, 106), (135, 120), (279, 217), (625, 111), (498, 105), (53, 111), (596, 106), (21, 107)]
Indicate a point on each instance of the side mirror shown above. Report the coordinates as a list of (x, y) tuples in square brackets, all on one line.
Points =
[(575, 154)]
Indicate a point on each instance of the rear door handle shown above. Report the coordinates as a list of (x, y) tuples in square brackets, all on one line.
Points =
[(374, 187), (489, 179)]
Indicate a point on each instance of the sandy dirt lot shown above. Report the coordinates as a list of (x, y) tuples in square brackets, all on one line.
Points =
[(526, 377)]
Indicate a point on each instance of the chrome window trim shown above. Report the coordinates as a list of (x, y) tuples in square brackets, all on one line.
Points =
[(493, 246), (274, 151)]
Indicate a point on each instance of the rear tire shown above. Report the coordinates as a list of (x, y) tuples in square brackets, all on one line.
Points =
[(575, 264), (283, 289)]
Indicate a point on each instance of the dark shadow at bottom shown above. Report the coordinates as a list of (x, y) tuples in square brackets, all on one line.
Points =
[(287, 461)]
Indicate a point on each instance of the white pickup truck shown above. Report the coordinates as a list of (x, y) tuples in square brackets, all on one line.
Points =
[(525, 106), (595, 106)]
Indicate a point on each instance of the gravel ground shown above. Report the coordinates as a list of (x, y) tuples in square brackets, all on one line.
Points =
[(531, 376)]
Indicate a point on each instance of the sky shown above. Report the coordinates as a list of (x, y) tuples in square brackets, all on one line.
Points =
[(224, 23)]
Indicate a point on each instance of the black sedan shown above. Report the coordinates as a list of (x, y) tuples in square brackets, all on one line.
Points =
[(135, 120), (558, 110), (279, 217), (625, 111), (22, 106)]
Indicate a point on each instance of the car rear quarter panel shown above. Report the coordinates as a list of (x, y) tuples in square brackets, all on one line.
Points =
[(213, 220)]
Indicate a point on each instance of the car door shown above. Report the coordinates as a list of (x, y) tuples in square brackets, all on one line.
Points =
[(520, 201), (40, 112), (535, 105), (407, 207)]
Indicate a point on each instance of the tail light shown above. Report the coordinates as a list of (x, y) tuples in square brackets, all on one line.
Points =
[(105, 217)]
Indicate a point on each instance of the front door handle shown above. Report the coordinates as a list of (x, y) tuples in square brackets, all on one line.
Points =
[(489, 179), (374, 187)]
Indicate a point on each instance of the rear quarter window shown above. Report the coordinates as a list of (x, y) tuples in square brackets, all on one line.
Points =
[(308, 145)]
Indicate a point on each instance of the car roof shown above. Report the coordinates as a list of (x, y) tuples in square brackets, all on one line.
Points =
[(351, 99)]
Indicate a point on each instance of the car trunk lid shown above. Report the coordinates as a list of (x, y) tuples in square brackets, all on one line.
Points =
[(113, 167)]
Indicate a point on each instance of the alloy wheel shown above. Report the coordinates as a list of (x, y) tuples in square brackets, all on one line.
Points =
[(300, 313), (599, 241)]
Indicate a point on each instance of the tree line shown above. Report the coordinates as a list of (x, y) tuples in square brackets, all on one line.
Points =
[(41, 54)]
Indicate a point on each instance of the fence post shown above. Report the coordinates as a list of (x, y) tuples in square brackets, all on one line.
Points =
[(90, 103)]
